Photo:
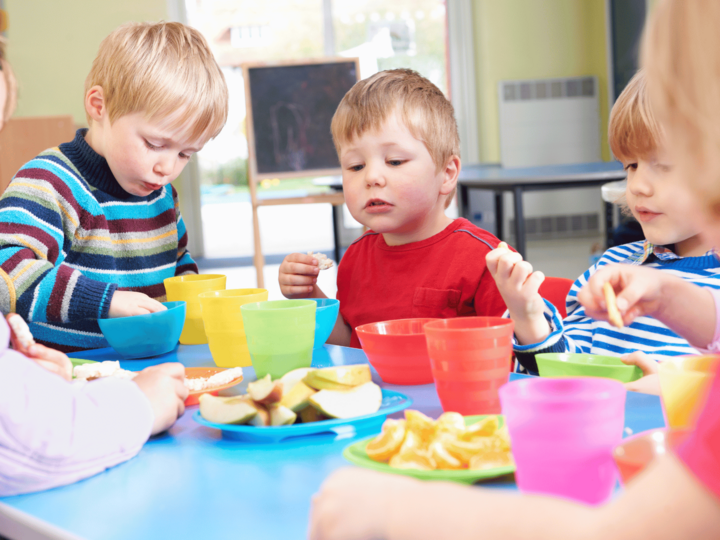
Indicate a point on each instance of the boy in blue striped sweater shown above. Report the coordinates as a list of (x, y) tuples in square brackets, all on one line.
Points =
[(90, 229), (672, 245)]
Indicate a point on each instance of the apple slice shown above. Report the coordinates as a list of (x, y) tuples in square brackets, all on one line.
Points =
[(311, 414), (291, 378), (318, 383), (358, 401), (262, 418), (354, 375), (227, 410), (265, 390), (280, 415), (298, 398)]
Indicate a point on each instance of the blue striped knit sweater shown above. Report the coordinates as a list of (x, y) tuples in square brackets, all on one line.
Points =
[(70, 236), (580, 334)]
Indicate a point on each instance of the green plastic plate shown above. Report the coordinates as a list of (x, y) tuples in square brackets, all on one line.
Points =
[(356, 454), (585, 365)]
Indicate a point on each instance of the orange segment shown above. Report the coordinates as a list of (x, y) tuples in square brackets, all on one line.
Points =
[(412, 459), (413, 441), (443, 458), (490, 460), (385, 445), (484, 428), (465, 450), (450, 422), (420, 424)]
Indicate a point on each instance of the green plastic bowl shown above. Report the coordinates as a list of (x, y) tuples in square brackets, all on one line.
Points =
[(585, 365)]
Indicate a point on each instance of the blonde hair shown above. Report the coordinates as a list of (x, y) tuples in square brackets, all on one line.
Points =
[(422, 107), (158, 69), (681, 56), (633, 131), (10, 84)]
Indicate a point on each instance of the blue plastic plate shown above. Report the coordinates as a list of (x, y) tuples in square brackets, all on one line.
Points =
[(392, 402)]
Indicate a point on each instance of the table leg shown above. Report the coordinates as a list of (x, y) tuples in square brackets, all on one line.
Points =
[(499, 217), (337, 219), (519, 221)]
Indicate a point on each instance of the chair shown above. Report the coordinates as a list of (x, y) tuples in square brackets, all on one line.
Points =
[(556, 289)]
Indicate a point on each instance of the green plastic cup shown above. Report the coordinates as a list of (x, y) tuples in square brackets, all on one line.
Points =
[(280, 335), (585, 365)]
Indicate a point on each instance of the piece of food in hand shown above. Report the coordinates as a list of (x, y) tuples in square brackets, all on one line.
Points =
[(358, 401), (198, 384), (298, 398), (265, 390), (21, 331), (613, 312), (318, 383), (262, 418), (483, 428), (280, 415), (291, 378), (98, 370), (323, 262), (490, 460), (387, 444), (503, 245), (353, 375), (227, 410), (412, 459), (311, 414)]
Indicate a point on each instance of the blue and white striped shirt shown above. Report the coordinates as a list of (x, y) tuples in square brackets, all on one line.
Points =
[(579, 333)]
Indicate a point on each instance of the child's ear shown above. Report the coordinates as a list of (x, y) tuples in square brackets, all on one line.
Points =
[(450, 175), (95, 103)]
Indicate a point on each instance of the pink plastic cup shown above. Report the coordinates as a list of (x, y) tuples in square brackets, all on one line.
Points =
[(563, 432), (470, 360)]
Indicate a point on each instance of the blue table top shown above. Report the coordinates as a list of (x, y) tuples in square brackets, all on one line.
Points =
[(190, 483), (478, 174)]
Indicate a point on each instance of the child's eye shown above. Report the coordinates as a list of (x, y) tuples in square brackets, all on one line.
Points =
[(631, 166), (356, 168), (151, 146), (395, 162), (184, 156)]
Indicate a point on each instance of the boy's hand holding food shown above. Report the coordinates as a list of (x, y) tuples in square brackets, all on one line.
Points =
[(519, 285), (129, 303), (164, 386), (649, 383), (298, 276)]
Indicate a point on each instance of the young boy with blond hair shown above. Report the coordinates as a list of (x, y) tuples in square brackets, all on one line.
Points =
[(90, 229), (397, 140), (673, 245)]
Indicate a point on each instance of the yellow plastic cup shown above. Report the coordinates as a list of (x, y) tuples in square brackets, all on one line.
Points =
[(188, 288), (224, 324), (684, 384)]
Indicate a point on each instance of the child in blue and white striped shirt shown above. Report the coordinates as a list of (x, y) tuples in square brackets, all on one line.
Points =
[(672, 245)]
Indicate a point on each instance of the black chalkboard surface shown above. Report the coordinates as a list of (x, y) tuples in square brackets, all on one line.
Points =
[(289, 110)]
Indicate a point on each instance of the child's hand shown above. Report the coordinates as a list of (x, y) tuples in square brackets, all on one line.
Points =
[(129, 303), (518, 285), (164, 386), (638, 291), (50, 359), (649, 383), (298, 276), (354, 504)]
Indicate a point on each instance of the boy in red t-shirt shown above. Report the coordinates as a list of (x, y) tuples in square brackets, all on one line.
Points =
[(398, 145)]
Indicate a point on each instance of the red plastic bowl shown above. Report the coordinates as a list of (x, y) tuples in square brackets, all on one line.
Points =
[(636, 452), (397, 350)]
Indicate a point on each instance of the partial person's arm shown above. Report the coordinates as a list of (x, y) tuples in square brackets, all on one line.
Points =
[(53, 432), (185, 263)]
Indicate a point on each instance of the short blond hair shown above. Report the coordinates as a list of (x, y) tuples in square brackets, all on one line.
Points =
[(8, 79), (633, 131), (681, 56), (422, 107), (158, 69)]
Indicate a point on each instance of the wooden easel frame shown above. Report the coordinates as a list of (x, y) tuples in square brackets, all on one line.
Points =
[(335, 199)]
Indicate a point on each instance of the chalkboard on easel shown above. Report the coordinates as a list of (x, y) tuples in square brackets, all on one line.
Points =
[(289, 110)]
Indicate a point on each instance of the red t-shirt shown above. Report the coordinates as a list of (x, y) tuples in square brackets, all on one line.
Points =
[(442, 276), (701, 451)]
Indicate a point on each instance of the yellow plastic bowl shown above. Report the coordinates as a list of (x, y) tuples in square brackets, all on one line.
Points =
[(224, 324), (684, 384), (188, 288)]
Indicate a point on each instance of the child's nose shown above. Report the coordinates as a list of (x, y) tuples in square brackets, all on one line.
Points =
[(639, 182), (164, 166), (374, 176)]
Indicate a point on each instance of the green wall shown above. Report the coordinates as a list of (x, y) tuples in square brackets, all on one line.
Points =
[(52, 43), (527, 39)]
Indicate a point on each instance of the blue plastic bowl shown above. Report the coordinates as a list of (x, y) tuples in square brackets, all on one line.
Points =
[(325, 316), (147, 335)]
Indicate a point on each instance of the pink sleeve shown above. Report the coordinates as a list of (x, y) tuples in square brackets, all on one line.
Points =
[(53, 432), (714, 345), (701, 451)]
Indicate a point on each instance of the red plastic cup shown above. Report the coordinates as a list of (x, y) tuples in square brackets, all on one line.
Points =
[(397, 350), (563, 432), (470, 360)]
